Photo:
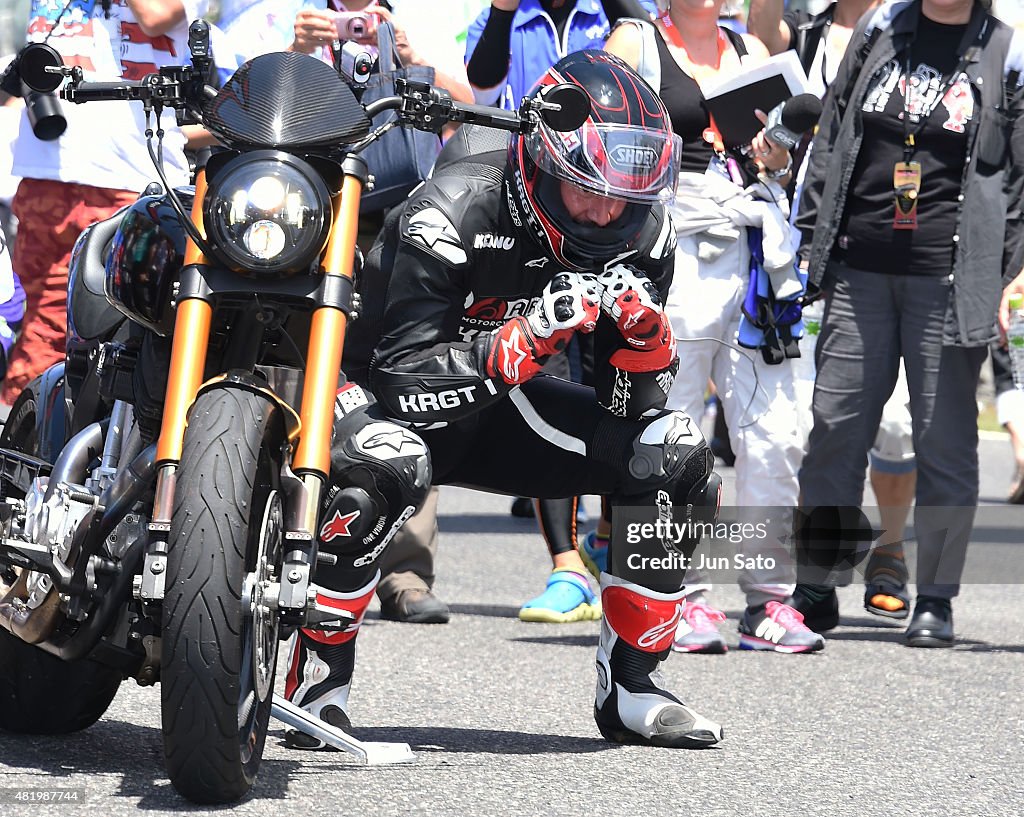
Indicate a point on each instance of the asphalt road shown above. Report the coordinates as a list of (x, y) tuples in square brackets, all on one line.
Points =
[(499, 711)]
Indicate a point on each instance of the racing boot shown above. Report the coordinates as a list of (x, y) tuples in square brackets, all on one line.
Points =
[(320, 669), (636, 636)]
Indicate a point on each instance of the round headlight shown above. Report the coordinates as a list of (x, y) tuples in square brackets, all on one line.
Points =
[(267, 212)]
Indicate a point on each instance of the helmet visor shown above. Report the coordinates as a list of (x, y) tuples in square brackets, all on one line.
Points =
[(619, 161)]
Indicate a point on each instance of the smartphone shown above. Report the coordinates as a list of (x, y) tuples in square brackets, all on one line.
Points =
[(351, 25)]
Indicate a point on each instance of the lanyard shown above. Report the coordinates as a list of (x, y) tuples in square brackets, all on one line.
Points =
[(910, 135), (712, 134)]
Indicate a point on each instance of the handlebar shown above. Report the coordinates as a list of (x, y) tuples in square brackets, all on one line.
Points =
[(101, 91), (175, 87), (487, 116), (423, 106), (419, 104)]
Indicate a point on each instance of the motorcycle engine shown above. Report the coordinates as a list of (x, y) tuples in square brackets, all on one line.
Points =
[(52, 523)]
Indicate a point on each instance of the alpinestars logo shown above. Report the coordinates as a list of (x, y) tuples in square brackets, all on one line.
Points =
[(431, 230), (490, 241), (394, 440), (386, 441), (513, 353), (537, 263), (620, 393), (673, 428), (338, 525), (662, 630), (664, 503)]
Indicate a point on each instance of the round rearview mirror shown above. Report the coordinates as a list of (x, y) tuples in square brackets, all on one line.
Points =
[(575, 107), (32, 65)]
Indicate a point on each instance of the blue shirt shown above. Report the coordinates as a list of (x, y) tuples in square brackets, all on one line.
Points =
[(535, 45)]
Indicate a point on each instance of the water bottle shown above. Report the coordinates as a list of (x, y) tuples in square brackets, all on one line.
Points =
[(803, 366), (1015, 339)]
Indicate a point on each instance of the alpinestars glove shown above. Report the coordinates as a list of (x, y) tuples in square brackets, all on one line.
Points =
[(569, 303), (631, 300)]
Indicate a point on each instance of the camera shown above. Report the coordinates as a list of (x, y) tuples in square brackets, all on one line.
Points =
[(351, 25), (41, 104)]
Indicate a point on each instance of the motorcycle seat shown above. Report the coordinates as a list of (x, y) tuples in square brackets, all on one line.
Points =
[(471, 140)]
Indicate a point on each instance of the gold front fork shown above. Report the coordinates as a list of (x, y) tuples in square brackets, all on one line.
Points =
[(188, 360), (188, 352), (312, 459)]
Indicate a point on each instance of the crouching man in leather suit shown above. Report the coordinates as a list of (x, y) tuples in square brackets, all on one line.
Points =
[(487, 271)]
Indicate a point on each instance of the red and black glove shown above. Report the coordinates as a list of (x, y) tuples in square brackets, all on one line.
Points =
[(569, 303), (632, 301)]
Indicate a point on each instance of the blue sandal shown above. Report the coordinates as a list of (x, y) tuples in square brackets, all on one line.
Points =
[(594, 553), (567, 597)]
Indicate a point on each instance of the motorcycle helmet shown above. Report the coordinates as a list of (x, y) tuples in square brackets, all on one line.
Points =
[(624, 150)]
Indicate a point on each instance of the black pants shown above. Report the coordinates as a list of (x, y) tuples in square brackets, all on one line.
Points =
[(550, 439)]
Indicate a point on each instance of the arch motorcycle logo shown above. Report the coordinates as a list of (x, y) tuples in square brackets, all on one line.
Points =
[(483, 315)]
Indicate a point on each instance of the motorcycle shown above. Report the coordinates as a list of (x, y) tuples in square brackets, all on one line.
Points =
[(160, 488)]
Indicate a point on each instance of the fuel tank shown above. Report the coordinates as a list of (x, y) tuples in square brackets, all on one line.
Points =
[(145, 260)]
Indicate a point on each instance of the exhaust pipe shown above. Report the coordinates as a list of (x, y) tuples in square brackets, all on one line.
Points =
[(74, 458)]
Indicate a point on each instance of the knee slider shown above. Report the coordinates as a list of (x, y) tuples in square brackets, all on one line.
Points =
[(380, 475), (670, 449), (670, 454)]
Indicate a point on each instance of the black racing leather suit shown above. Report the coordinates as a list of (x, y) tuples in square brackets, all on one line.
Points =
[(450, 267)]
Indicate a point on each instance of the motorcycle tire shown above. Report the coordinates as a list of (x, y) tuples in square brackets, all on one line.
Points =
[(39, 693), (214, 722)]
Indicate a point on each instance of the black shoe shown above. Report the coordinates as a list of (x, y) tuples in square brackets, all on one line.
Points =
[(932, 624), (722, 449), (522, 508), (820, 612), (415, 607)]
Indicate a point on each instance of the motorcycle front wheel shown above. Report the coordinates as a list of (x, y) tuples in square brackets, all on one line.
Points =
[(218, 644)]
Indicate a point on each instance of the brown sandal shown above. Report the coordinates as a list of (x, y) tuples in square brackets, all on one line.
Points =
[(885, 586)]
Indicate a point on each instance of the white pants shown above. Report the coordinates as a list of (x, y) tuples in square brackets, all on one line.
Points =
[(705, 302)]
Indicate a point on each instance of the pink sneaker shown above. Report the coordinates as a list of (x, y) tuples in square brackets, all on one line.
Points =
[(697, 631), (779, 628)]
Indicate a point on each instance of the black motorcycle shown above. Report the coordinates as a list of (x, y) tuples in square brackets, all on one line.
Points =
[(160, 488)]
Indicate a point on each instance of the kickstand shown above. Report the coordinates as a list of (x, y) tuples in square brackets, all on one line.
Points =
[(371, 753)]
